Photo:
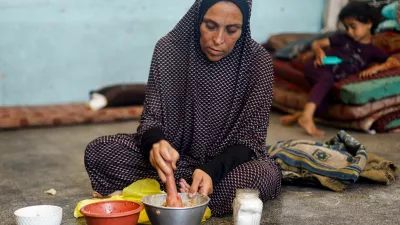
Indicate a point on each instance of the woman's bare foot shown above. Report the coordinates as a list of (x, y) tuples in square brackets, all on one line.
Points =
[(290, 119), (96, 194), (183, 186), (309, 126)]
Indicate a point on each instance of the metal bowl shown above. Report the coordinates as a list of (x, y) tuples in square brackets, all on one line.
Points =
[(191, 214)]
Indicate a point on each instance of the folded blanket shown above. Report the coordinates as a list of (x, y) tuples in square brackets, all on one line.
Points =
[(356, 91), (364, 124), (291, 96), (334, 164)]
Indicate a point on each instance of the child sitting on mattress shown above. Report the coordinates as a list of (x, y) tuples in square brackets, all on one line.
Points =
[(356, 51)]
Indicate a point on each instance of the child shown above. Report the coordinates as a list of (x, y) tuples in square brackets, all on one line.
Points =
[(356, 51)]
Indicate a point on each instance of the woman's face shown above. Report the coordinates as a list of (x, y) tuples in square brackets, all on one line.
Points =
[(220, 29)]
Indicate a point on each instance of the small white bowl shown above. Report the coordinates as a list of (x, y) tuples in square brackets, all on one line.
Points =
[(39, 215)]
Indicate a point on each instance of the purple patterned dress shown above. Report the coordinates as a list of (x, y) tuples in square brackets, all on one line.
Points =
[(202, 107)]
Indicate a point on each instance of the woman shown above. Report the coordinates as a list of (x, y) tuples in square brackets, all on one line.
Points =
[(205, 116)]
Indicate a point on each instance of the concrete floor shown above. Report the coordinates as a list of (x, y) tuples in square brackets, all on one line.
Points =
[(34, 160)]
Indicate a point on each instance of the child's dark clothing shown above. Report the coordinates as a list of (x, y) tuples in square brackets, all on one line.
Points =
[(356, 57)]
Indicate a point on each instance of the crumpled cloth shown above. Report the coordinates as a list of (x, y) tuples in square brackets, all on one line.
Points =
[(334, 164)]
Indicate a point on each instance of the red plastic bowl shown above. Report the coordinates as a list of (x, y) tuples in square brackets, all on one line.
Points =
[(112, 212)]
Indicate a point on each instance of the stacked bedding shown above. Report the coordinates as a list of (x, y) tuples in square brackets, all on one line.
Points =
[(368, 104)]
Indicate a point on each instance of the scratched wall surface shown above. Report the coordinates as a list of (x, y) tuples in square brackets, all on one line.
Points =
[(56, 51)]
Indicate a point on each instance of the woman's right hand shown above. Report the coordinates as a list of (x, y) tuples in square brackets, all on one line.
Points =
[(163, 158), (320, 55)]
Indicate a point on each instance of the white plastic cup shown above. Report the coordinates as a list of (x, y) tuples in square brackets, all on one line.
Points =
[(39, 215)]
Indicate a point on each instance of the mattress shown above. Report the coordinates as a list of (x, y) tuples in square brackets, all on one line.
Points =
[(289, 95), (381, 116), (63, 114), (352, 90)]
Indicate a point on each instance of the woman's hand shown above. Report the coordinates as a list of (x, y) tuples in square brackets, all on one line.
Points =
[(369, 72), (202, 184), (163, 158)]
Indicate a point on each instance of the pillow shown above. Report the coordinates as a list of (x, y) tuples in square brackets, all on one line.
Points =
[(389, 11), (388, 25), (117, 96), (278, 41)]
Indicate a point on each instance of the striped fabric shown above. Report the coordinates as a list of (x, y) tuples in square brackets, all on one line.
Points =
[(342, 158)]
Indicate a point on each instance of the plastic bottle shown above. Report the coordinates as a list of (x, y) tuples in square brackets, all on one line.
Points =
[(247, 207), (331, 60)]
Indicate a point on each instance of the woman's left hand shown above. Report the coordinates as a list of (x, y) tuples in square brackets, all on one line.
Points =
[(368, 72), (202, 184)]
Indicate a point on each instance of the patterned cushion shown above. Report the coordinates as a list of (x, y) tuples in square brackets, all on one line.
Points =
[(67, 114)]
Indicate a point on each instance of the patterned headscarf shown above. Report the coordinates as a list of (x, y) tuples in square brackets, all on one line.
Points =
[(203, 107)]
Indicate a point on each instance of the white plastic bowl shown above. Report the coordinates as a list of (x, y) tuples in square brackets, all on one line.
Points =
[(39, 215)]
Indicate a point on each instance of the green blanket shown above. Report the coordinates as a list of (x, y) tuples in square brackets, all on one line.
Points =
[(360, 93)]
